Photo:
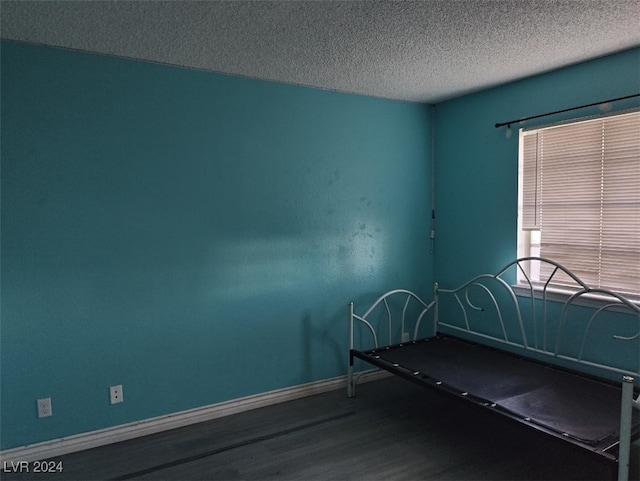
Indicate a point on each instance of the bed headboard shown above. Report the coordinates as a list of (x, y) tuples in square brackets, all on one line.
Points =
[(576, 323)]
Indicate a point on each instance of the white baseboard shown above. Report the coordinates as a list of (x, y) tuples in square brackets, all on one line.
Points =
[(102, 437)]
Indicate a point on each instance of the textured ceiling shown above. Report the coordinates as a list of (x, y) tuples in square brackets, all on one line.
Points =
[(424, 51)]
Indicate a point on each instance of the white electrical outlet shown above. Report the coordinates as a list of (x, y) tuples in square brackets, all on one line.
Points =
[(115, 394), (405, 337), (44, 407)]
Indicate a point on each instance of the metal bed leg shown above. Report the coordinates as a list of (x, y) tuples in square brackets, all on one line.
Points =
[(626, 412), (350, 380)]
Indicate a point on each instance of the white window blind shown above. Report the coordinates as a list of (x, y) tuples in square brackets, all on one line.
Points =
[(581, 189)]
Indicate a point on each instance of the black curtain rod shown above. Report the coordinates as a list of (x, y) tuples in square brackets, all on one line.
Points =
[(502, 124)]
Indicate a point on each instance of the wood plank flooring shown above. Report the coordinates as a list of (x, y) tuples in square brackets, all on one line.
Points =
[(392, 430)]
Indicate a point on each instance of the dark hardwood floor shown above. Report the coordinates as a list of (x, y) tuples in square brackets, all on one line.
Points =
[(392, 430)]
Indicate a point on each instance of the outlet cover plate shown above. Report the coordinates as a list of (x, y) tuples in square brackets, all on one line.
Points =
[(115, 394), (44, 407)]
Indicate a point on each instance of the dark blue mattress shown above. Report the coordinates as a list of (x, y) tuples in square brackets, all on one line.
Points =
[(571, 405)]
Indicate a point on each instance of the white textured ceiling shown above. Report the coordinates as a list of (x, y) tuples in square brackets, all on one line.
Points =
[(424, 51)]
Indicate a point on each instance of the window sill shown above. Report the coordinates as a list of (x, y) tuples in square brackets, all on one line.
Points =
[(555, 294)]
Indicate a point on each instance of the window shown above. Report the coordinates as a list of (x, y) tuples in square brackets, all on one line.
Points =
[(579, 199)]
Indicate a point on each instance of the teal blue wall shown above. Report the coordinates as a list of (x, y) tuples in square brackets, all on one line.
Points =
[(192, 236), (477, 167), (196, 237)]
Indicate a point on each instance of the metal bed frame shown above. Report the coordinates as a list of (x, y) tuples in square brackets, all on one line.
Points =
[(493, 324)]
